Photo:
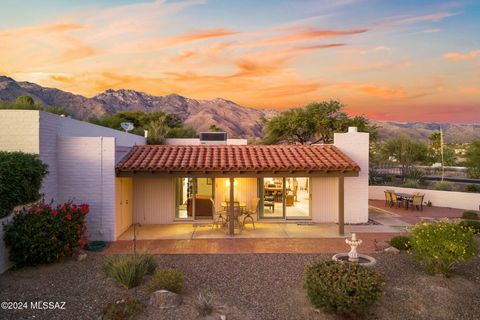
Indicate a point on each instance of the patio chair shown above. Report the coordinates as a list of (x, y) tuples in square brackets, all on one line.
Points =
[(388, 198), (395, 200), (417, 202), (220, 219), (253, 210), (237, 212)]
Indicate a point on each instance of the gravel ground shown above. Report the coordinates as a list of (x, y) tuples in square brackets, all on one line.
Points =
[(261, 286)]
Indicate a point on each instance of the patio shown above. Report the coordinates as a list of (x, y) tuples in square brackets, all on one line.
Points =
[(387, 223)]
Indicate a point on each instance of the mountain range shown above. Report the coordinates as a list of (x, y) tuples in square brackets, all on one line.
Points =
[(237, 120)]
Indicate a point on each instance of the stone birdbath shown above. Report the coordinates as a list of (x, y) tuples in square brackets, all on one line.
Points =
[(353, 256)]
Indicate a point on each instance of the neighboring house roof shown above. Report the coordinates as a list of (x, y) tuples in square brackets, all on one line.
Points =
[(236, 158)]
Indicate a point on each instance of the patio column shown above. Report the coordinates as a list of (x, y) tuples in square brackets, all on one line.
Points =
[(231, 213), (341, 206)]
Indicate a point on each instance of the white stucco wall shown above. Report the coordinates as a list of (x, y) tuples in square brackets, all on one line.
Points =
[(356, 146), (449, 199), (324, 199)]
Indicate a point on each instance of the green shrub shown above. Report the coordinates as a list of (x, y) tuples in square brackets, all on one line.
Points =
[(204, 304), (400, 242), (21, 176), (415, 175), (444, 186), (129, 270), (439, 246), (42, 234), (124, 309), (471, 225), (167, 279), (472, 188), (410, 183), (470, 214), (342, 288)]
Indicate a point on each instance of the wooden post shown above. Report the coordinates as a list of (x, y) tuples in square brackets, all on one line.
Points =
[(341, 206), (231, 211)]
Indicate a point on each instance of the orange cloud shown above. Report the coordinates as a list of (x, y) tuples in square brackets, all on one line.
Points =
[(459, 56), (374, 90), (301, 34)]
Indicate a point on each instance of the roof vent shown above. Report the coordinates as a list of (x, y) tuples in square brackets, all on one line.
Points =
[(213, 138)]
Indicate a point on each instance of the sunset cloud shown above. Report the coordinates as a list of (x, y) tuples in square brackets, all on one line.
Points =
[(459, 56), (277, 54)]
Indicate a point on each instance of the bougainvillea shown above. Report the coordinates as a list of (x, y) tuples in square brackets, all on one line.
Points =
[(41, 233)]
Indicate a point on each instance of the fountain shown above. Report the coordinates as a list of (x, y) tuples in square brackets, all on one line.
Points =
[(353, 256)]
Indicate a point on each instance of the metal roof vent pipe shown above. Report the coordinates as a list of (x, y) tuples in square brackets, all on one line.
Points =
[(352, 129)]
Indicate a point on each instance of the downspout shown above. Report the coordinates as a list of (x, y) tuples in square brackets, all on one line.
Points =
[(101, 185)]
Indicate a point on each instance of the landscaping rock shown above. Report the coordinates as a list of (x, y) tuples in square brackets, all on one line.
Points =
[(392, 250), (165, 299), (81, 256)]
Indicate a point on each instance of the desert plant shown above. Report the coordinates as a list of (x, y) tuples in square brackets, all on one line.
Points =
[(21, 176), (471, 225), (416, 175), (441, 245), (167, 279), (129, 270), (470, 214), (42, 233), (444, 186), (410, 183), (342, 288), (472, 188), (400, 242), (123, 309), (204, 304)]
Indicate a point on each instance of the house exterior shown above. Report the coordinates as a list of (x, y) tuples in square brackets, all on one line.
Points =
[(127, 182)]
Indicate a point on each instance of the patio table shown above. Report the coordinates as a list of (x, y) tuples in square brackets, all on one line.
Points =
[(241, 204), (404, 196)]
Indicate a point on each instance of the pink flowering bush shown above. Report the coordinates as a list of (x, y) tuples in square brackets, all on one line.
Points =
[(41, 233)]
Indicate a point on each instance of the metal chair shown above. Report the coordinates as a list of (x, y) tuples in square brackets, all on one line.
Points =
[(248, 213), (388, 198), (417, 202)]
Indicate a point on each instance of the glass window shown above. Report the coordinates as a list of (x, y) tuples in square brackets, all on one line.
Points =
[(195, 198)]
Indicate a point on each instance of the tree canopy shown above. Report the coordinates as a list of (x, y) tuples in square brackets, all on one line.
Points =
[(158, 124), (314, 123), (404, 151), (472, 159), (27, 103)]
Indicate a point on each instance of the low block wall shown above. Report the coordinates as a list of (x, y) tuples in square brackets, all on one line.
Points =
[(449, 199)]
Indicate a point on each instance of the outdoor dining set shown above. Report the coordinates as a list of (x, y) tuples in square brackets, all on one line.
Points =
[(405, 200), (239, 209)]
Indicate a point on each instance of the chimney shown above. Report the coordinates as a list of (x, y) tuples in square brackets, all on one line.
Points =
[(355, 145)]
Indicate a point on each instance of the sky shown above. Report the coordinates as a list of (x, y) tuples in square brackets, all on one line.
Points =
[(387, 60)]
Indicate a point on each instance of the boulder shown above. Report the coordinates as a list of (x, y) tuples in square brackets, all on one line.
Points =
[(165, 299), (392, 250)]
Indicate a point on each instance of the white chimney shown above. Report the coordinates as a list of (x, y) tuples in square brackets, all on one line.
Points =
[(355, 145), (145, 133)]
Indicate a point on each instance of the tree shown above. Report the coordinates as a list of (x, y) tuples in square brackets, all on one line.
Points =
[(159, 124), (472, 159), (214, 128), (25, 100), (435, 151), (314, 123), (404, 151)]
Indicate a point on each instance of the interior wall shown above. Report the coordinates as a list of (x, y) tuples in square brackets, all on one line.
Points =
[(245, 189)]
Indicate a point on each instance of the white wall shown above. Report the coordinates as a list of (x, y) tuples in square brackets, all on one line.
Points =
[(153, 200), (86, 174), (324, 199), (356, 146), (196, 141), (449, 199)]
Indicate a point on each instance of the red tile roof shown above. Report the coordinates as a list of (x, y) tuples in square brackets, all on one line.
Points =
[(208, 158)]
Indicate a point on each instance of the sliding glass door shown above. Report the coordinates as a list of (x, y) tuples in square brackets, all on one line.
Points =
[(195, 198), (284, 198)]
